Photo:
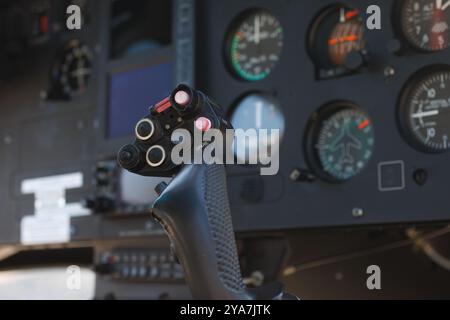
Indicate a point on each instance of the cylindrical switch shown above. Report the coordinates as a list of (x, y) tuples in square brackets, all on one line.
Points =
[(129, 156)]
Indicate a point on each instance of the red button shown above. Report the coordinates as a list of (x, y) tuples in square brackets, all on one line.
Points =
[(182, 98), (203, 124), (163, 105)]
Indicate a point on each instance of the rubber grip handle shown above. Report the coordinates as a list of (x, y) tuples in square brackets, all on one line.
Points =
[(194, 209)]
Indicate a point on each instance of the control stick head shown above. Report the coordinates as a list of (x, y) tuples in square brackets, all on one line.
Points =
[(185, 108)]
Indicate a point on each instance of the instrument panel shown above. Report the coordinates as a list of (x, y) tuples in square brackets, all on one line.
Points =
[(363, 115)]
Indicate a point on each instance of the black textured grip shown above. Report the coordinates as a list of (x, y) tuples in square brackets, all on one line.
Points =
[(219, 217), (195, 213)]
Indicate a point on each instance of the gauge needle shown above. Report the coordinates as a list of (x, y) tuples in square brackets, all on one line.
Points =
[(342, 17), (80, 75), (363, 124), (81, 72), (425, 114), (258, 115), (445, 6), (257, 29)]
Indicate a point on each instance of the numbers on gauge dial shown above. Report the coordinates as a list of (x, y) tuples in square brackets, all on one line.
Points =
[(255, 45), (425, 23), (428, 112)]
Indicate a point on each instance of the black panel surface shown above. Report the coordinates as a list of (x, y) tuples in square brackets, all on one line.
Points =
[(294, 84), (41, 137)]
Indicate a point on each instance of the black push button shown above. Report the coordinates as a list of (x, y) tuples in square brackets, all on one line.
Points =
[(155, 156), (144, 129)]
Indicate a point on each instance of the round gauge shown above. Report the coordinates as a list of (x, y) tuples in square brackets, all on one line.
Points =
[(341, 142), (74, 69), (254, 45), (334, 35), (425, 110), (425, 23), (256, 111)]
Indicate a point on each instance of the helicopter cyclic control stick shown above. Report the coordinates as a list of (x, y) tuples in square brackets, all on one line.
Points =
[(194, 208)]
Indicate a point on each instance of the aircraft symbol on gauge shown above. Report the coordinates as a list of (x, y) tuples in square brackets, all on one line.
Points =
[(341, 141), (345, 143)]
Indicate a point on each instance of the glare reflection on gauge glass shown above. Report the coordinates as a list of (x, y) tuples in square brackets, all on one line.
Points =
[(257, 111)]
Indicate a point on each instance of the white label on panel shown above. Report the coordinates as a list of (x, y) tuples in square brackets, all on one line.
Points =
[(51, 220)]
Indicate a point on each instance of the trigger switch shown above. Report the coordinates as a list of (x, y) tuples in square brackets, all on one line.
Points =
[(160, 187)]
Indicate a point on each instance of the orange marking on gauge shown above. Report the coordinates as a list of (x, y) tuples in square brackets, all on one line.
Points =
[(363, 124), (351, 14), (350, 38)]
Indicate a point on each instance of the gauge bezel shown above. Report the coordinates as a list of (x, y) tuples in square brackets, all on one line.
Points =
[(313, 29), (56, 72), (312, 47), (312, 133), (402, 107), (238, 101), (399, 32), (231, 30)]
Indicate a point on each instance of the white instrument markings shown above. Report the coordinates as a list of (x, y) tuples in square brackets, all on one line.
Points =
[(425, 114), (446, 5)]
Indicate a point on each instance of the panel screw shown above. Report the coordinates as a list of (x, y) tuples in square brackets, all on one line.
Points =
[(420, 176), (295, 174), (80, 125), (302, 175), (389, 71), (43, 95), (7, 139), (357, 212), (339, 276)]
